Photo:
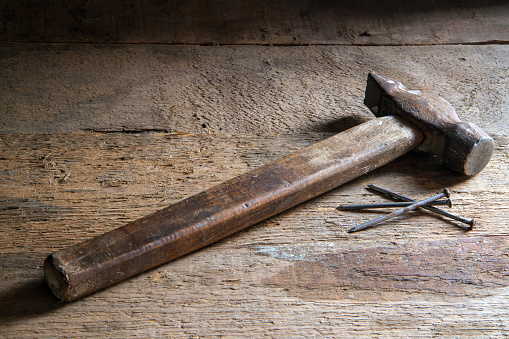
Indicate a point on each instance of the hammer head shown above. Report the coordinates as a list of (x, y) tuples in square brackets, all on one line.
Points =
[(462, 146)]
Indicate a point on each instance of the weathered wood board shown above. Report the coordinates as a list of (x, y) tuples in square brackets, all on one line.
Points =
[(176, 119), (283, 22), (298, 274), (48, 88)]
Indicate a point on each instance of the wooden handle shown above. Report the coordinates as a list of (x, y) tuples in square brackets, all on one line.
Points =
[(227, 208)]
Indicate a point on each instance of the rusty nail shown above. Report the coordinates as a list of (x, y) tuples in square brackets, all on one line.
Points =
[(470, 222), (355, 207), (445, 193)]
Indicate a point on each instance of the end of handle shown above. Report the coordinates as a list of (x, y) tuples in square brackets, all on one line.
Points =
[(56, 279)]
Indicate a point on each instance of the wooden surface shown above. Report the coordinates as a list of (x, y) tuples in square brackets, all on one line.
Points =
[(297, 274), (268, 22), (94, 136), (47, 88)]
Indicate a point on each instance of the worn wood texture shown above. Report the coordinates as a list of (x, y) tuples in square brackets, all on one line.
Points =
[(287, 22), (298, 274), (48, 88), (229, 207)]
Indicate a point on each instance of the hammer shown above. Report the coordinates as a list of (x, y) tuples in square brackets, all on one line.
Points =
[(408, 120)]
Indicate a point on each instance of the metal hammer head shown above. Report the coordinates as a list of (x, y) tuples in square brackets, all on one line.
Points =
[(462, 146)]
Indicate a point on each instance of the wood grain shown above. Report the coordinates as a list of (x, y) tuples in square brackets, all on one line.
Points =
[(285, 22), (296, 274), (229, 207), (47, 88)]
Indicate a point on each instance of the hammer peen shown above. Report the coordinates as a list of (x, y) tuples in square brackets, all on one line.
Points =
[(407, 120)]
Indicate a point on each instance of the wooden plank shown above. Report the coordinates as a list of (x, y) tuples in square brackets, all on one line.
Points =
[(287, 22), (234, 89), (296, 274)]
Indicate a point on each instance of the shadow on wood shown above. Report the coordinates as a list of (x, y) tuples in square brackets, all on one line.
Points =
[(343, 123), (364, 22), (28, 299)]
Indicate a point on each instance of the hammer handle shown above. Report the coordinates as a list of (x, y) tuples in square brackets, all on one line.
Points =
[(227, 208)]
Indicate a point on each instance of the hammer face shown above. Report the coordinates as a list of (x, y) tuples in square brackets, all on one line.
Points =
[(468, 148)]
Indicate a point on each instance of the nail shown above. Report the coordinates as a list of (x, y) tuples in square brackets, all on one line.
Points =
[(470, 222), (355, 207), (445, 193)]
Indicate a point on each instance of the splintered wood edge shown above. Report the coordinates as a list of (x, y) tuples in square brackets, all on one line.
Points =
[(56, 279)]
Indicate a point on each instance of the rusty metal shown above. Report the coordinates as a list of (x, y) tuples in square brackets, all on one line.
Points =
[(469, 222), (445, 193), (462, 146), (356, 207)]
